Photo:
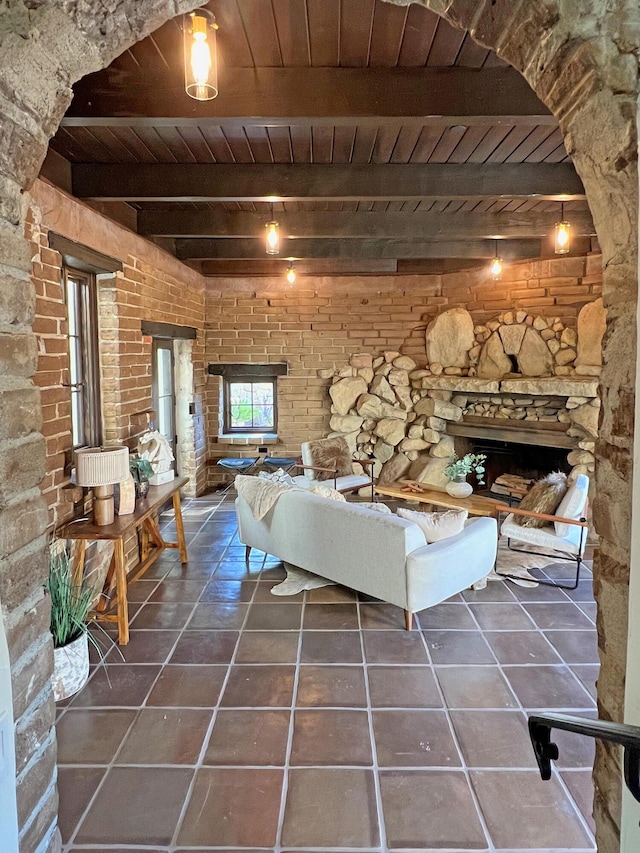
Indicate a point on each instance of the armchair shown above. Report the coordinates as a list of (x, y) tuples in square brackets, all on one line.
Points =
[(344, 484), (564, 533)]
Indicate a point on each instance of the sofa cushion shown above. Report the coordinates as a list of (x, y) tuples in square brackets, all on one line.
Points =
[(376, 506), (327, 492), (544, 496), (573, 504), (437, 525), (331, 453)]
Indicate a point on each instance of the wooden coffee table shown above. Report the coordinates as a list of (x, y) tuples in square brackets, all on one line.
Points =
[(474, 504)]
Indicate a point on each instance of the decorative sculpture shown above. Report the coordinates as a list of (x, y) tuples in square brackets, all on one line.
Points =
[(155, 448)]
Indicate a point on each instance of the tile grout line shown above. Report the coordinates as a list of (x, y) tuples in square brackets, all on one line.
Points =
[(382, 826), (205, 744)]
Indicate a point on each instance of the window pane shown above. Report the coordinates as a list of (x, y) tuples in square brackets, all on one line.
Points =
[(165, 418), (72, 306), (240, 393), (74, 361), (165, 383), (241, 417), (263, 392), (77, 429), (263, 416)]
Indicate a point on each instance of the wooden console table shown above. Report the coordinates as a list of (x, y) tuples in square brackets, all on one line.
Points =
[(142, 521)]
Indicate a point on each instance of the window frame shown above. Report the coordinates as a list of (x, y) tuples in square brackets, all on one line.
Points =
[(87, 361), (252, 380)]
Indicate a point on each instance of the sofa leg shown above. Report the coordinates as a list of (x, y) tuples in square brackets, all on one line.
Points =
[(408, 620), (247, 551)]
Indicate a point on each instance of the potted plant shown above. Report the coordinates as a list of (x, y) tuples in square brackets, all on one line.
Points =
[(459, 469), (70, 604), (141, 470)]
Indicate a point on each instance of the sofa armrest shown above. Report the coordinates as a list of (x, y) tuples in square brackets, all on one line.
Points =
[(437, 571)]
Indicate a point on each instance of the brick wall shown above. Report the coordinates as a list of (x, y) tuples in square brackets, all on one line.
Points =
[(318, 322), (151, 286)]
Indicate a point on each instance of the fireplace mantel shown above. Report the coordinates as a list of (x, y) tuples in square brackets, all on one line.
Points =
[(531, 386)]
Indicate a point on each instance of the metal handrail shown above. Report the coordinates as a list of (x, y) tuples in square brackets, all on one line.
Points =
[(546, 751)]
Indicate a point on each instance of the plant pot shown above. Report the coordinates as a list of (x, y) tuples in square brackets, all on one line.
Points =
[(70, 668), (459, 488), (142, 488)]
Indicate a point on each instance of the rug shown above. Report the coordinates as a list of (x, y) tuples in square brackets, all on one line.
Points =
[(298, 580), (518, 564)]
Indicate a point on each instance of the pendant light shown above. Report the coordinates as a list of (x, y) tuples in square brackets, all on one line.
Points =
[(496, 265), (273, 236), (291, 273), (200, 55), (562, 235)]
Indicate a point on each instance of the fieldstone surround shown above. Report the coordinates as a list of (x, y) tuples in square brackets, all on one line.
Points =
[(390, 409), (581, 59)]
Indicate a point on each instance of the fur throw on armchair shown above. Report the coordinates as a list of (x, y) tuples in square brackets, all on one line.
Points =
[(331, 453), (544, 496)]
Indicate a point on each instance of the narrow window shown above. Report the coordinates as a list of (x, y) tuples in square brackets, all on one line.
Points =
[(163, 389), (84, 380)]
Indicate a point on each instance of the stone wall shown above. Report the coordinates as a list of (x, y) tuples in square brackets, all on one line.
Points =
[(317, 324), (151, 286)]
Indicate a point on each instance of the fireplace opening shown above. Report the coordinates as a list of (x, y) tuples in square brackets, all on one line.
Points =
[(504, 457)]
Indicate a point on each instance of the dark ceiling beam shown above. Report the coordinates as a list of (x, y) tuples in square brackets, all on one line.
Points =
[(242, 249), (408, 226), (316, 96), (277, 267), (278, 182)]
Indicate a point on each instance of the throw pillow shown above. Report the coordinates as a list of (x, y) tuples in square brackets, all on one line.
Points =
[(437, 525), (331, 453), (544, 496), (327, 492), (376, 507), (278, 476)]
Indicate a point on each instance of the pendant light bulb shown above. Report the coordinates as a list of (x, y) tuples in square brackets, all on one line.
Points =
[(291, 273), (562, 236), (200, 55), (496, 266), (273, 238)]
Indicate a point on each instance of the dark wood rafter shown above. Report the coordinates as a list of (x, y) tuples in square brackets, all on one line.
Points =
[(322, 224), (319, 96), (370, 248), (212, 182)]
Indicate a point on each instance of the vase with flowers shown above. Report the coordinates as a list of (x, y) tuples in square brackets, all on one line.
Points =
[(459, 469)]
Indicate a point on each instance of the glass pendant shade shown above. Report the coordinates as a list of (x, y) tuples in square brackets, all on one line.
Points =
[(200, 55), (496, 268), (562, 238), (291, 274), (273, 238)]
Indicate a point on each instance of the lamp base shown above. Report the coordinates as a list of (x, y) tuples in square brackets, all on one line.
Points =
[(103, 509)]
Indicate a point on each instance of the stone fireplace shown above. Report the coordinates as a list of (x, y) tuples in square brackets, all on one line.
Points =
[(516, 380)]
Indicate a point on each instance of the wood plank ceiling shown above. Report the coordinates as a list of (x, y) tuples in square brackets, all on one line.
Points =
[(377, 134)]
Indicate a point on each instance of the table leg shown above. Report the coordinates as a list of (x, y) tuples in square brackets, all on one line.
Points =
[(144, 543), (78, 561), (180, 527), (121, 592)]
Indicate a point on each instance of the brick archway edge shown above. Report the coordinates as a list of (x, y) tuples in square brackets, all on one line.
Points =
[(581, 59)]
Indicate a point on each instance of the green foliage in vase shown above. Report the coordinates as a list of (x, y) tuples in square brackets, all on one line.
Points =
[(140, 468), (70, 601), (470, 463)]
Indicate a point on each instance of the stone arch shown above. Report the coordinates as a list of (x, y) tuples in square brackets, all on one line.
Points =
[(581, 64)]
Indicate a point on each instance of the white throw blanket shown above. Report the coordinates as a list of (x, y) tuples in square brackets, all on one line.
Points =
[(260, 494)]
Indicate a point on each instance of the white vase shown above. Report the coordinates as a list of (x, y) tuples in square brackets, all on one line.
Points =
[(70, 668), (459, 488)]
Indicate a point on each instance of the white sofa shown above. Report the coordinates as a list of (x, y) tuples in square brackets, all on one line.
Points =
[(378, 554)]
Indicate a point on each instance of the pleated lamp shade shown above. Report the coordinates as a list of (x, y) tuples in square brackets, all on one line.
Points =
[(97, 466)]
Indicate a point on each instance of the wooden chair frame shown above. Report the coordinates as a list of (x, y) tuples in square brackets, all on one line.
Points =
[(562, 555)]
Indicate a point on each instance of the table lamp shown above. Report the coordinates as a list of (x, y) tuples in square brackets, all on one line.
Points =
[(100, 469)]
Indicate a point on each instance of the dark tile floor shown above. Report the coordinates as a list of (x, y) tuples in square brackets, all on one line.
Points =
[(242, 721)]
